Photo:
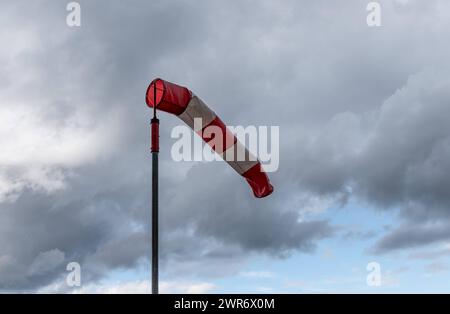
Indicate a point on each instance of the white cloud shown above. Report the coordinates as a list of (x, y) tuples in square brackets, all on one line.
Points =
[(144, 286), (35, 153)]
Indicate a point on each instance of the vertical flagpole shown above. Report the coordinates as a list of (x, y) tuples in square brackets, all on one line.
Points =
[(155, 151)]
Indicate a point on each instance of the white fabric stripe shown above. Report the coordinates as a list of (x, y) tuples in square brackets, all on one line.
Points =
[(196, 108), (239, 162)]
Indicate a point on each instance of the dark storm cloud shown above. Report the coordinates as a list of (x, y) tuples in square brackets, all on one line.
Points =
[(213, 204), (362, 113), (99, 216)]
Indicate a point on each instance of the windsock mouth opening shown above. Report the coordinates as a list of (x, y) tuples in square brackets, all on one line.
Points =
[(160, 89)]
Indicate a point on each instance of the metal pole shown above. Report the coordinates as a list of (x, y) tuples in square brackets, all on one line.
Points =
[(155, 151)]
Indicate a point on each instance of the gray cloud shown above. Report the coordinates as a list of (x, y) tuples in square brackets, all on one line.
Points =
[(46, 261), (362, 114), (410, 235)]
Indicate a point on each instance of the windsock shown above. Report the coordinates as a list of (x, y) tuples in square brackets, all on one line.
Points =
[(183, 103)]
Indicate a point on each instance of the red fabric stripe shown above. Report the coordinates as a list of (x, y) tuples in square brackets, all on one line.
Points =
[(155, 135), (170, 97), (258, 181), (228, 138)]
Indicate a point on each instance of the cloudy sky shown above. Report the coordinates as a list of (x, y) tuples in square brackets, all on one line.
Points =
[(364, 146)]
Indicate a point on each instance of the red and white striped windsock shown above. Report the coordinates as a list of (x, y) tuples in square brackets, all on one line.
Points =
[(187, 106)]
